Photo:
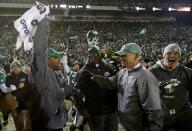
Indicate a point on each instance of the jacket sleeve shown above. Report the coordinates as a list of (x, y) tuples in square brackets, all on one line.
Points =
[(70, 91), (104, 82), (149, 96), (188, 73), (190, 90), (41, 106), (39, 64), (65, 65)]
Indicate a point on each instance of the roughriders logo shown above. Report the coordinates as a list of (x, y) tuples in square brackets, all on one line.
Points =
[(41, 8), (92, 37), (107, 74), (34, 23), (169, 86)]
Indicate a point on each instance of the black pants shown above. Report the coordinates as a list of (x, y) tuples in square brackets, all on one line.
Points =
[(182, 123), (108, 122), (44, 129), (5, 115), (54, 129), (38, 126)]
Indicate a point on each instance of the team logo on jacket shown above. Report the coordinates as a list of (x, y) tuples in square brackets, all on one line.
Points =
[(169, 86), (106, 74)]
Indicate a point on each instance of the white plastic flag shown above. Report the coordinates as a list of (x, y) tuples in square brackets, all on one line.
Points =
[(26, 25)]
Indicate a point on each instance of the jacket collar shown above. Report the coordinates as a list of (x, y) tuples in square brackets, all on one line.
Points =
[(135, 68), (160, 63)]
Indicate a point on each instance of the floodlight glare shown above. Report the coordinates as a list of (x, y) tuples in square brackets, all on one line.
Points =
[(88, 6), (154, 9)]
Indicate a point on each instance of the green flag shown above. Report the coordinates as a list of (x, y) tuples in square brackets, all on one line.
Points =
[(143, 31)]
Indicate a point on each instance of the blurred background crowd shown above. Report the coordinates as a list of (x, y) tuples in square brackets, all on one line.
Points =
[(152, 37)]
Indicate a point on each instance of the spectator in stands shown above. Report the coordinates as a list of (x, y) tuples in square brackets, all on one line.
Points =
[(3, 90), (189, 61), (76, 119), (18, 79), (26, 69)]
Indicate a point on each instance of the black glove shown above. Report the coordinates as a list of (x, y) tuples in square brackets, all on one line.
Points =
[(80, 94), (87, 74)]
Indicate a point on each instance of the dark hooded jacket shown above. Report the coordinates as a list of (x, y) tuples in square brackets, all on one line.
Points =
[(23, 89), (176, 97), (98, 101)]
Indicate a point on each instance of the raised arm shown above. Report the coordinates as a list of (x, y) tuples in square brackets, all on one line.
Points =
[(65, 65), (39, 64)]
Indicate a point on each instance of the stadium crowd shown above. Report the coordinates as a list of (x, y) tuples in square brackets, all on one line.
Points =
[(101, 2), (112, 35), (69, 39)]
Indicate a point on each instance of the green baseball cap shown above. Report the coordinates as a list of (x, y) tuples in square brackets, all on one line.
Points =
[(16, 63), (2, 77), (95, 49), (129, 47), (53, 53)]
